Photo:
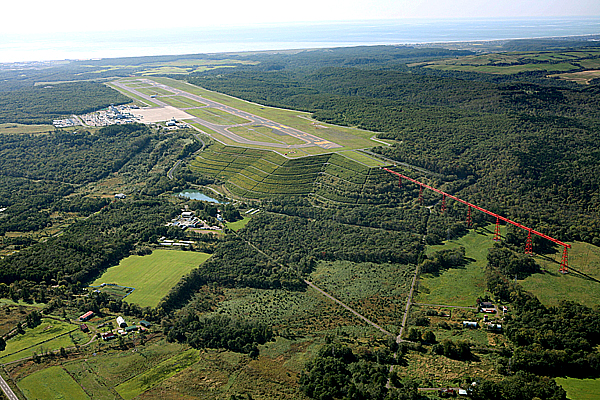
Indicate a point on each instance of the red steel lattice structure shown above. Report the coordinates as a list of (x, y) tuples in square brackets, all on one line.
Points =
[(564, 266)]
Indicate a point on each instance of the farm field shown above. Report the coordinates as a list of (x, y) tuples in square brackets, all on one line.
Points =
[(516, 62), (51, 383), (153, 275), (154, 376), (580, 389), (458, 286), (551, 286), (49, 335)]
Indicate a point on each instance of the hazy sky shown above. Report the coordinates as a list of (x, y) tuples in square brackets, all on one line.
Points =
[(33, 16)]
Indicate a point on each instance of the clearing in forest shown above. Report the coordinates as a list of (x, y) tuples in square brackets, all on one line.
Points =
[(153, 275)]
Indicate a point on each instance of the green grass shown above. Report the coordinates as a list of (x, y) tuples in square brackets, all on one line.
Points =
[(154, 91), (363, 158), (264, 134), (181, 101), (154, 376), (140, 100), (216, 116), (458, 286), (580, 389), (551, 286), (51, 383), (153, 275), (31, 341), (237, 225), (20, 128)]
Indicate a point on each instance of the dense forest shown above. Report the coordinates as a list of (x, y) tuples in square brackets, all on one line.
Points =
[(41, 104)]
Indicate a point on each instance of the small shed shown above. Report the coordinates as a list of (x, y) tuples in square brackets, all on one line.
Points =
[(145, 324), (469, 324), (121, 322), (84, 328), (108, 336), (86, 316)]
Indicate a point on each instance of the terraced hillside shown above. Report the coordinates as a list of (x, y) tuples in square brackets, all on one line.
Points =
[(255, 174)]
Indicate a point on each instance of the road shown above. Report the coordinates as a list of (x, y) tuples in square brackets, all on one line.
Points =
[(407, 308), (309, 139), (7, 390)]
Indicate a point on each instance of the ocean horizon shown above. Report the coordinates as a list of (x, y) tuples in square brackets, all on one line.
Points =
[(174, 41)]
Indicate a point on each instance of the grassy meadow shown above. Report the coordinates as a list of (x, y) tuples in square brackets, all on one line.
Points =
[(458, 286), (581, 285), (580, 389), (49, 335), (153, 275), (52, 383)]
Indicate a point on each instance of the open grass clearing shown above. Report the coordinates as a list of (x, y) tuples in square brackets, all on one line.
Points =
[(580, 389), (154, 376), (237, 225), (551, 287), (30, 129), (583, 77), (137, 99), (153, 275), (504, 70), (363, 158), (458, 286), (51, 383), (25, 344)]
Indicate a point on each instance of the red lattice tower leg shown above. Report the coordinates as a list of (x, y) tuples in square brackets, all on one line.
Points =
[(421, 194), (400, 182), (564, 265), (497, 231), (443, 203), (529, 245), (469, 219)]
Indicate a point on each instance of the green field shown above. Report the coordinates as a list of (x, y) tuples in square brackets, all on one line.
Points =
[(237, 225), (459, 286), (51, 383), (20, 128), (154, 376), (580, 389), (516, 62), (154, 91), (551, 286), (153, 275), (41, 338)]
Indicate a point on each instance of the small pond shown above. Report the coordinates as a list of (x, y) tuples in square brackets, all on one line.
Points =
[(196, 195)]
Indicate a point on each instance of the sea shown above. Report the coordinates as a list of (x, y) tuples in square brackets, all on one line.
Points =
[(171, 41)]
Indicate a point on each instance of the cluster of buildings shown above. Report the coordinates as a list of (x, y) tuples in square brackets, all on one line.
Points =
[(67, 122), (122, 327), (488, 308), (187, 219)]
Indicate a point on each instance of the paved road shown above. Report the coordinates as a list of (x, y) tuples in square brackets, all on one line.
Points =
[(309, 139), (7, 390), (170, 172)]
